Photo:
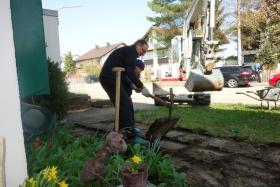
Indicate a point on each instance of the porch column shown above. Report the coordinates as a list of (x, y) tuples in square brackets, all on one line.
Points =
[(11, 126)]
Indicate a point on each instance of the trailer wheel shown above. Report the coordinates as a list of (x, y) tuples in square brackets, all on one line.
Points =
[(205, 101), (201, 100)]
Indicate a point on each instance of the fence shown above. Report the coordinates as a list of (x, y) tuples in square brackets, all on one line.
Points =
[(267, 74)]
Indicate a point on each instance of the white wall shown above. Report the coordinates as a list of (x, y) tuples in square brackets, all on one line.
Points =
[(50, 18), (10, 126)]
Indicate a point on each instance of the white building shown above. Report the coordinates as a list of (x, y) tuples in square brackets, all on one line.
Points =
[(156, 59), (13, 167), (22, 50), (51, 22)]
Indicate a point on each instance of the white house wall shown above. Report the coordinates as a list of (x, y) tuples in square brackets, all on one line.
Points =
[(11, 126), (51, 22)]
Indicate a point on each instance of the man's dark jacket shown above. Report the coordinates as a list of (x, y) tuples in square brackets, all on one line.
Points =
[(122, 57)]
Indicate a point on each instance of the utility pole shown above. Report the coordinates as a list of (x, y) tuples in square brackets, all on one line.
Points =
[(239, 51)]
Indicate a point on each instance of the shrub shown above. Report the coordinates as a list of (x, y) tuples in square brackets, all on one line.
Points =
[(58, 100), (69, 64)]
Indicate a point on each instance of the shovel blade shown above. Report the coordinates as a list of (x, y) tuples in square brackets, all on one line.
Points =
[(199, 82), (160, 127)]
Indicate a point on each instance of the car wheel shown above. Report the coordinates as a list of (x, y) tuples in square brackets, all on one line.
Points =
[(232, 83), (277, 84)]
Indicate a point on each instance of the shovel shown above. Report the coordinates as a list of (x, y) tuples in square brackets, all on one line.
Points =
[(161, 126)]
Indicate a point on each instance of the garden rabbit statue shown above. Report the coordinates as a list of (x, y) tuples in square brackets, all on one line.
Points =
[(94, 167)]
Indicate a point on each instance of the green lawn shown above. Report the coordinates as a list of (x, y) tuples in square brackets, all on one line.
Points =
[(225, 120)]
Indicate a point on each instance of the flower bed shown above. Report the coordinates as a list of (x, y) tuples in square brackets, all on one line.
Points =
[(68, 154)]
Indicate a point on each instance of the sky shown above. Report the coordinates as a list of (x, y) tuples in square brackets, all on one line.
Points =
[(97, 22), (229, 7), (94, 22)]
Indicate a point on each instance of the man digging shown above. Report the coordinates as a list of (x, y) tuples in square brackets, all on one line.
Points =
[(126, 58)]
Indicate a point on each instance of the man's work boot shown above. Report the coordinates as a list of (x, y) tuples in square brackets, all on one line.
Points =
[(137, 131), (138, 140), (132, 136)]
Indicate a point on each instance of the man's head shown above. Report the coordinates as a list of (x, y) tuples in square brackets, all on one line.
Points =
[(141, 47)]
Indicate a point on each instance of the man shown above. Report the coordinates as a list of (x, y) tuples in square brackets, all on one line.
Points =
[(258, 69), (124, 57)]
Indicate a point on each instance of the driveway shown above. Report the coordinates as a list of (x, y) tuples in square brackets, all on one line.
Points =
[(227, 95)]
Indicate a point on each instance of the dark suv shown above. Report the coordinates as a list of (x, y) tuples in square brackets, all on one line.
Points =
[(91, 79), (235, 75)]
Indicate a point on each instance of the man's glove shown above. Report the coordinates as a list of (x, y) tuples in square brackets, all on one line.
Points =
[(145, 92), (137, 90)]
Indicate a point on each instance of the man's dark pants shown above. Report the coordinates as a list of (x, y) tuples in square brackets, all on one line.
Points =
[(126, 116)]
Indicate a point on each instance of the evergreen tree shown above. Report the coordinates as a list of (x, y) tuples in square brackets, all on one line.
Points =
[(219, 34), (69, 64), (169, 17)]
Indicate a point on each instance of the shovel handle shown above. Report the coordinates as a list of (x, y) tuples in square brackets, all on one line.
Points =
[(118, 71), (159, 100)]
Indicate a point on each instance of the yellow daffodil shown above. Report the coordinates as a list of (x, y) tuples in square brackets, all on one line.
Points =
[(63, 184), (46, 172), (31, 181), (52, 173), (136, 159)]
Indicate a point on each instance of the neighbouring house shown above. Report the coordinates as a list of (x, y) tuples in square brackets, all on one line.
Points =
[(96, 56), (249, 56), (157, 57)]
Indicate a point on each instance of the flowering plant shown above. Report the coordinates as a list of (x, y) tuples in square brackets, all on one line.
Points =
[(37, 143), (135, 164), (46, 178), (134, 172)]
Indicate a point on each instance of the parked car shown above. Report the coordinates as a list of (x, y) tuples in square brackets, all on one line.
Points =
[(275, 80), (256, 70), (251, 70), (235, 76), (91, 79)]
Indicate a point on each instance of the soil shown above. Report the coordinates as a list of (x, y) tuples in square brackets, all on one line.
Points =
[(216, 161)]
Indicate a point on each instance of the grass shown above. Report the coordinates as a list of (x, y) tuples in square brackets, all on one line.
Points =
[(239, 121)]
